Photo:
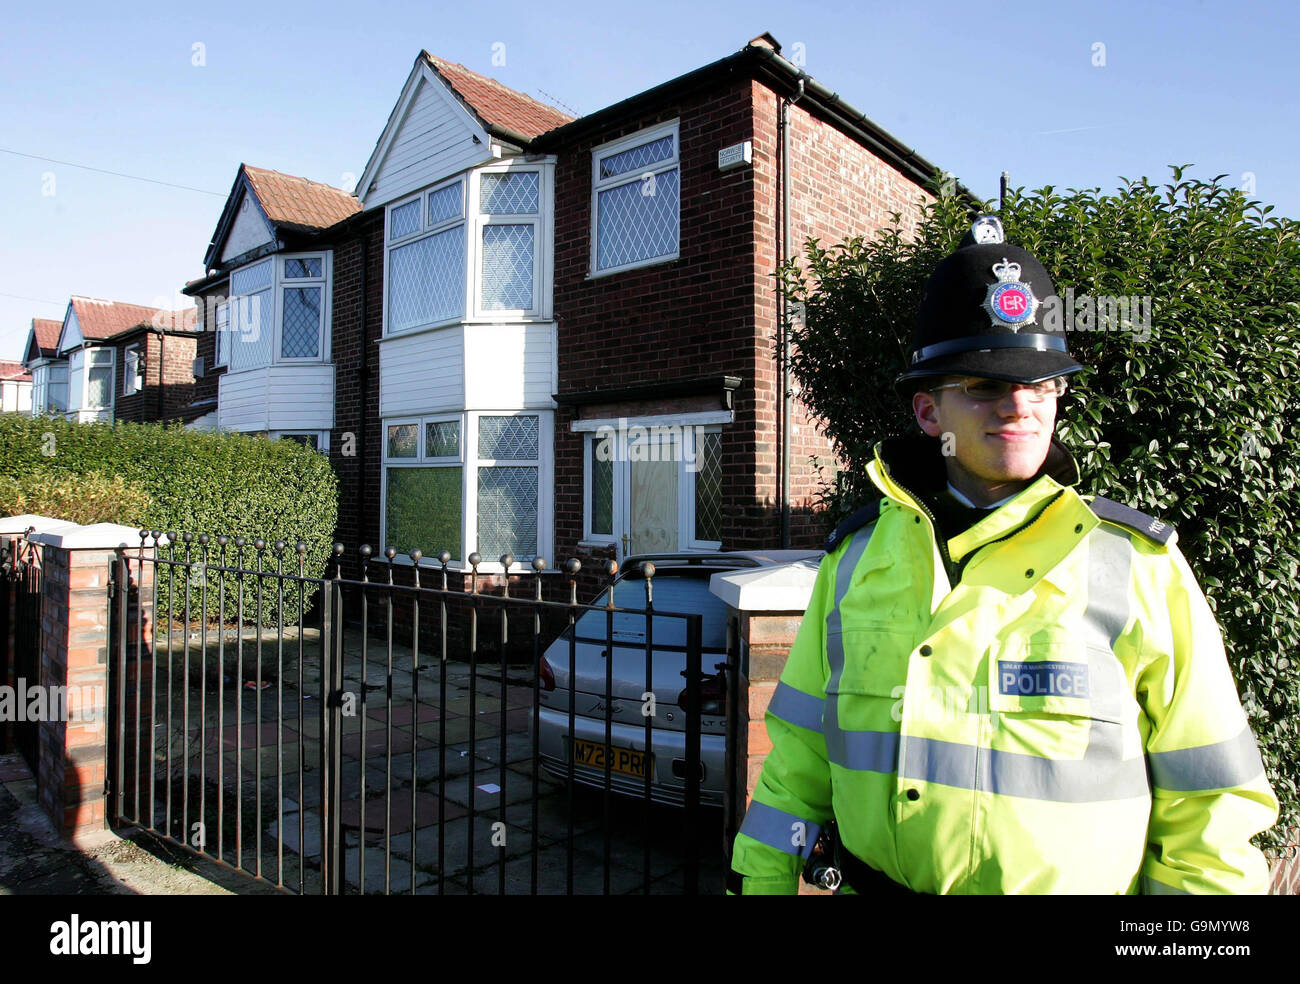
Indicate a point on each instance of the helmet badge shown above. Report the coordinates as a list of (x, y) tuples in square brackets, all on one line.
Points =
[(1009, 303)]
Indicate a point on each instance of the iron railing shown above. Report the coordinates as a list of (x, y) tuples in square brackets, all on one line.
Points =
[(220, 750)]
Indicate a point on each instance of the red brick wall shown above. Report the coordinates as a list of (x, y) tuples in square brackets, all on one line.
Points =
[(713, 311), (168, 378), (205, 387)]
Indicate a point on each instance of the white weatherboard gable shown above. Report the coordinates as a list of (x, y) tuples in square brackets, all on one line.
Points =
[(248, 231), (70, 337), (430, 136)]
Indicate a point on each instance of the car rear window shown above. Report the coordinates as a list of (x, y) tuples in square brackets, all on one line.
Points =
[(679, 594)]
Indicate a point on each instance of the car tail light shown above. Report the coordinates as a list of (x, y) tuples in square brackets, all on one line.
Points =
[(713, 696), (546, 674)]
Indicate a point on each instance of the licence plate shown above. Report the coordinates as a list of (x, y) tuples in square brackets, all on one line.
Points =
[(625, 761)]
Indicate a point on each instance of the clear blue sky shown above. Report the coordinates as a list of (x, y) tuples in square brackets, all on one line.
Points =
[(975, 88)]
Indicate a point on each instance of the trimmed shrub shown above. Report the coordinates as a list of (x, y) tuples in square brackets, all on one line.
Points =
[(89, 498), (1184, 412), (196, 482)]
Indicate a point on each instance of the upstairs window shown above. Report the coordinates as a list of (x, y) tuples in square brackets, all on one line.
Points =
[(636, 200), (509, 209), (302, 293), (99, 379), (132, 370), (277, 312), (426, 258)]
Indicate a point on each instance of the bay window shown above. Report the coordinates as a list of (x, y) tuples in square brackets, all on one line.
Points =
[(467, 482), (426, 258), (277, 312)]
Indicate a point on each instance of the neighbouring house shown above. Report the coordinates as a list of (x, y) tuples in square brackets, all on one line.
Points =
[(561, 337), (49, 372), (15, 387), (113, 361), (546, 336), (265, 353)]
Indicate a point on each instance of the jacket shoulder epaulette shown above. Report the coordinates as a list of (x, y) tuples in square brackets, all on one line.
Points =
[(1111, 511), (867, 514)]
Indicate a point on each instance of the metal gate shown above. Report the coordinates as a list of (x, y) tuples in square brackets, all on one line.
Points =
[(397, 745), (20, 638)]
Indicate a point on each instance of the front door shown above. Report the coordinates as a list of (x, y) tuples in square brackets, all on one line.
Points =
[(651, 474)]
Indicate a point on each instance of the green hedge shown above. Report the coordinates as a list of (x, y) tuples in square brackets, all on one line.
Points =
[(196, 482), (1190, 418)]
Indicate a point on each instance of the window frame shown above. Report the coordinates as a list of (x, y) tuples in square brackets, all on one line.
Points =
[(128, 376), (281, 284), (613, 147), (87, 365), (426, 230), (481, 220), (687, 541), (221, 329), (469, 462)]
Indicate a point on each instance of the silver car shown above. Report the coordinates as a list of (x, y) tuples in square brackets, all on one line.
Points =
[(680, 585)]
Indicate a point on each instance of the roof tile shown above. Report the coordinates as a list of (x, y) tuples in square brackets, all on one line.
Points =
[(298, 203), (497, 104)]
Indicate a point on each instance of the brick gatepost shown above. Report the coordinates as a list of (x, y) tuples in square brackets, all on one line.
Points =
[(78, 624), (768, 605)]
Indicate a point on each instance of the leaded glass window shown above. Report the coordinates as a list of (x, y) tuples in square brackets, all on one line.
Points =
[(445, 203), (507, 511), (426, 280), (442, 439), (602, 486), (708, 485), (637, 202), (297, 268), (511, 193), (300, 332), (403, 440), (512, 438), (404, 220), (507, 267)]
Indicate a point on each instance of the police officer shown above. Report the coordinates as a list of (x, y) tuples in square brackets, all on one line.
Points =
[(1000, 686)]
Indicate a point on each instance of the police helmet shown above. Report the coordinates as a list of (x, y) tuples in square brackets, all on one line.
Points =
[(983, 315)]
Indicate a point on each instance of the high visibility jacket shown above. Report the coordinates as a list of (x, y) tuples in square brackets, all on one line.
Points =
[(1062, 720)]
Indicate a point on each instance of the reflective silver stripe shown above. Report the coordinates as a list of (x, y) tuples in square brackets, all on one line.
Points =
[(1110, 557), (853, 552), (781, 830), (796, 707), (1030, 776), (1224, 764), (865, 751), (1152, 887)]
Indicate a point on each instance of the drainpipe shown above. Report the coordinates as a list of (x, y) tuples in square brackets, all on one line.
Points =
[(783, 371), (363, 386)]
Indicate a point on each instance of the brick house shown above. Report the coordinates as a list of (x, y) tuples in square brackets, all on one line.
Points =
[(264, 308), (113, 361), (559, 336)]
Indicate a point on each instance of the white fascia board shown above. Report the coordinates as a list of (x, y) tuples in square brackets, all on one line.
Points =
[(420, 72)]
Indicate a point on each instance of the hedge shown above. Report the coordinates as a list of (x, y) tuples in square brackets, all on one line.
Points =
[(189, 481), (1188, 416)]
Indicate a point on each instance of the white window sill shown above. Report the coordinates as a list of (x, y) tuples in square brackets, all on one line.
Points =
[(656, 261)]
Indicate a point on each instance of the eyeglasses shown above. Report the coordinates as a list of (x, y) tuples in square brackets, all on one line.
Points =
[(989, 390)]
